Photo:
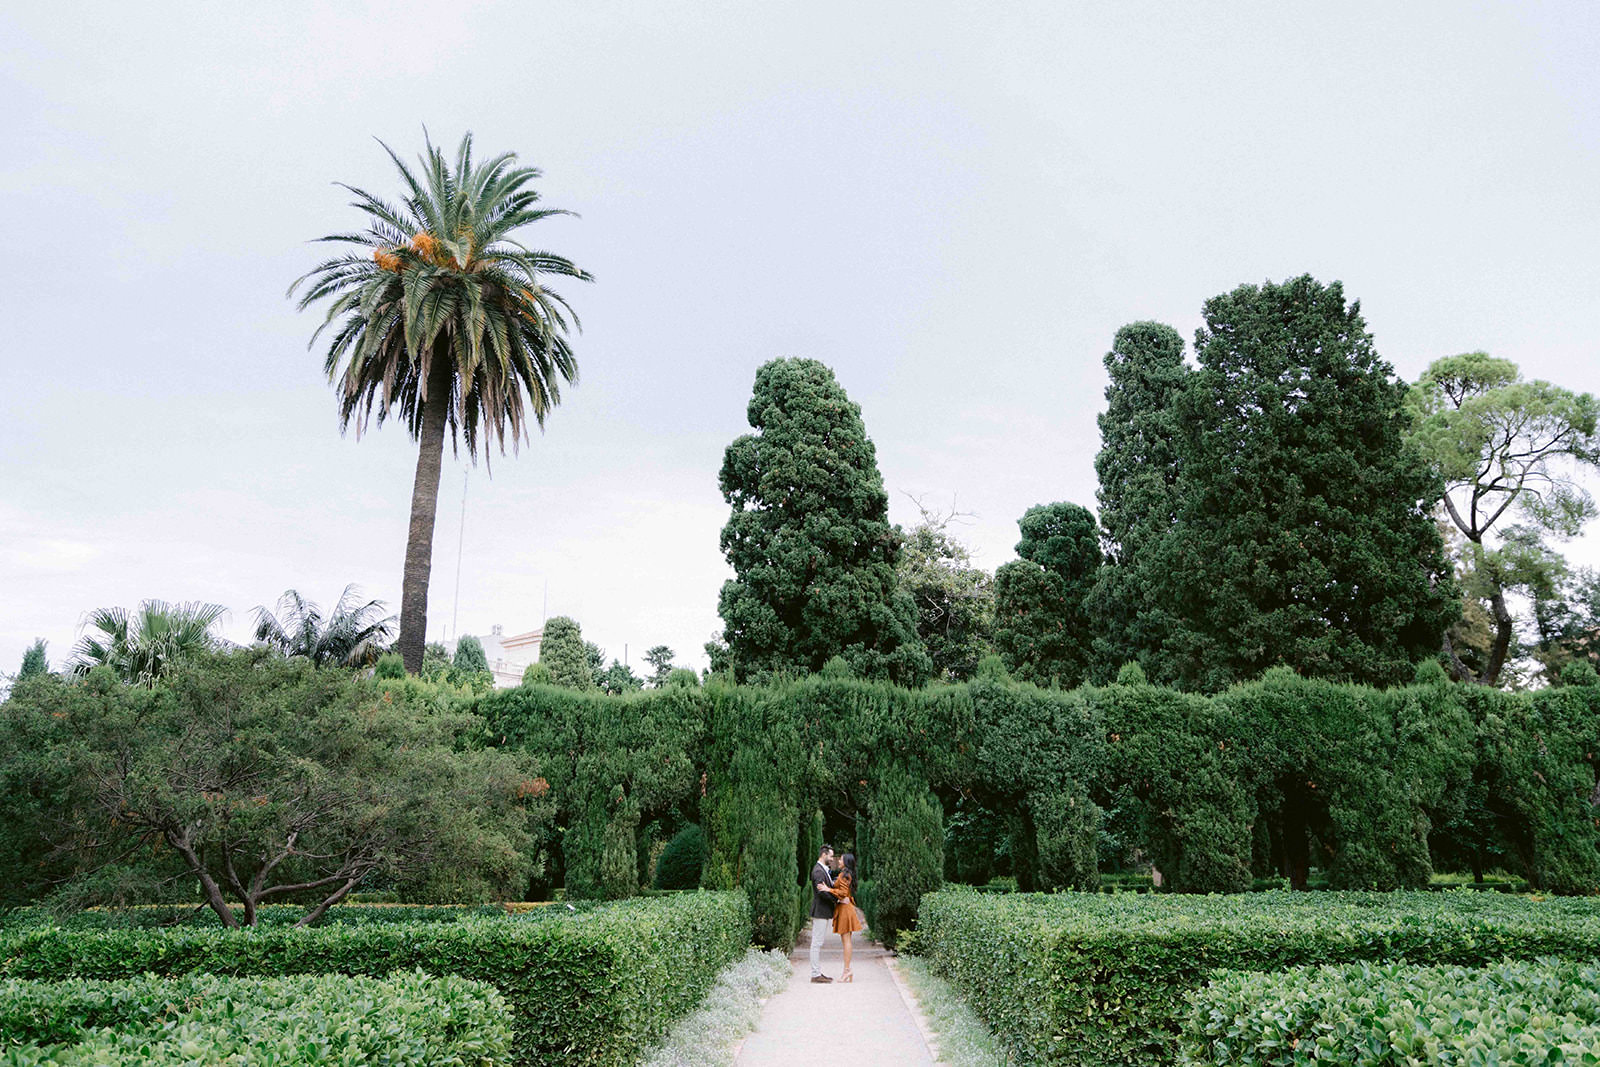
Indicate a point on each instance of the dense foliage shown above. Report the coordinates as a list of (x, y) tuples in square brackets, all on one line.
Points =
[(350, 634), (1041, 628), (257, 779), (954, 598), (562, 653), (148, 644), (1394, 1015), (1093, 979), (404, 1020), (809, 539), (591, 987)]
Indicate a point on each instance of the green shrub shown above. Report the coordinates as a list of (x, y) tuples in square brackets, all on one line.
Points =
[(1393, 1015), (681, 862), (1097, 979), (402, 1020), (582, 987)]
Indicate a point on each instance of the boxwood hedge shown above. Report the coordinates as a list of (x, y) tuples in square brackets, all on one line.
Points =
[(1095, 979), (589, 988), (407, 1020), (1393, 1015)]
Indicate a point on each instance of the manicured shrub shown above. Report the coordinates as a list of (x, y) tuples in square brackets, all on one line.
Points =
[(682, 860), (1395, 1015), (582, 988), (1096, 979), (405, 1020)]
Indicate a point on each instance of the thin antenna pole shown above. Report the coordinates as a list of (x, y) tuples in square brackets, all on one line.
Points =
[(461, 538)]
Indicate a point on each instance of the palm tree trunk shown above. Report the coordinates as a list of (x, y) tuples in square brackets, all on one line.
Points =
[(424, 507)]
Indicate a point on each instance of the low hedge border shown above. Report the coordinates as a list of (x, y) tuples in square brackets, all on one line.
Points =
[(591, 988), (1395, 1015), (1092, 979), (406, 1020)]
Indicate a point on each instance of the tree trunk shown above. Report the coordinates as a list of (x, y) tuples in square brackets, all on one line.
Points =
[(424, 507), (1504, 624), (208, 885)]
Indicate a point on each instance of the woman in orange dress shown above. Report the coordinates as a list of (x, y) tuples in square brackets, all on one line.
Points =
[(846, 916)]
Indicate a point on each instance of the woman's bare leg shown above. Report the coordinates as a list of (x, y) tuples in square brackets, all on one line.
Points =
[(847, 938)]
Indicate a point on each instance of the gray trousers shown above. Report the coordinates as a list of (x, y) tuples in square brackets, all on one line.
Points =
[(820, 928)]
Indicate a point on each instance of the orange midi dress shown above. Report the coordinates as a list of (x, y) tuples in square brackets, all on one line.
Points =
[(846, 916)]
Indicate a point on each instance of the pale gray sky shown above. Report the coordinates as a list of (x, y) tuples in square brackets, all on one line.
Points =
[(954, 205)]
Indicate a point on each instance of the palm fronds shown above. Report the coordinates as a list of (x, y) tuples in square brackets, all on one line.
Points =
[(352, 634), (440, 276), (145, 645)]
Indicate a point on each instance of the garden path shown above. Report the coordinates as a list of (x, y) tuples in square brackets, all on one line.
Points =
[(865, 1022)]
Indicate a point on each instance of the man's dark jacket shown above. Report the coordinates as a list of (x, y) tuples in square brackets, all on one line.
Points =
[(821, 903)]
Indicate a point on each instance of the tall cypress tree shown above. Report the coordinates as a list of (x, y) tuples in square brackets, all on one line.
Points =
[(563, 653), (1138, 470), (1301, 535), (809, 539)]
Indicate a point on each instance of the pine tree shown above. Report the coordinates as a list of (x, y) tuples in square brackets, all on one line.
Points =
[(34, 661), (1302, 535), (563, 653), (1138, 470), (809, 539)]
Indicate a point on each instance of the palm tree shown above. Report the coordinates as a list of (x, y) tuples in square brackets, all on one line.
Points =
[(353, 634), (145, 646), (446, 318)]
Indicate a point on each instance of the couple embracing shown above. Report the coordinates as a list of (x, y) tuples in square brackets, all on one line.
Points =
[(833, 903)]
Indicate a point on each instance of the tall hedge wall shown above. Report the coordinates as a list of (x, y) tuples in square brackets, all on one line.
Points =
[(1274, 777)]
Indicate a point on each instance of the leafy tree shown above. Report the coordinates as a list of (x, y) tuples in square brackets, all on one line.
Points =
[(436, 660), (1506, 449), (145, 646), (389, 666), (1302, 534), (660, 659), (955, 600), (353, 634), (538, 674), (619, 678), (446, 316), (1138, 470), (564, 654), (470, 657), (264, 779), (595, 657), (809, 538), (1041, 629), (35, 661)]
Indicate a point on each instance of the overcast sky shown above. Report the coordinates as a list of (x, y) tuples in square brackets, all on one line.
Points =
[(954, 206)]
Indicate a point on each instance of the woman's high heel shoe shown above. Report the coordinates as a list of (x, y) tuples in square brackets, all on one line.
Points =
[(847, 977)]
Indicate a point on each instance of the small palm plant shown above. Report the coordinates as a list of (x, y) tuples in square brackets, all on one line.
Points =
[(352, 634), (445, 318), (146, 645)]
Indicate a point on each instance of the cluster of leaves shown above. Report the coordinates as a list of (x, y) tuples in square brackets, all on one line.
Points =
[(954, 598), (567, 660), (1392, 1015), (590, 987), (407, 1020), (1098, 979), (259, 780)]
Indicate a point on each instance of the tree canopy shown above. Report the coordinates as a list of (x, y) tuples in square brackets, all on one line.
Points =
[(352, 634), (563, 653), (809, 539), (148, 644), (954, 598), (1509, 452), (1041, 628), (1301, 532)]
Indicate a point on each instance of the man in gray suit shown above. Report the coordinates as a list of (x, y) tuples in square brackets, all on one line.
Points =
[(822, 903)]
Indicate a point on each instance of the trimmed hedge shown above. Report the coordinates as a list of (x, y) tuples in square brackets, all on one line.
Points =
[(589, 988), (406, 1020), (1394, 1015), (198, 916), (1096, 979)]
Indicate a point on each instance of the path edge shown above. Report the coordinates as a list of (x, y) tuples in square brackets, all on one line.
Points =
[(914, 1006)]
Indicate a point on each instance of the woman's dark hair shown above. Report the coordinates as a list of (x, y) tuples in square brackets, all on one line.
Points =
[(849, 864)]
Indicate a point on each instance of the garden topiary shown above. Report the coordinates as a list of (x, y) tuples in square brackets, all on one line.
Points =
[(682, 860)]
